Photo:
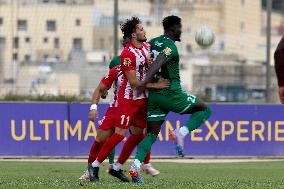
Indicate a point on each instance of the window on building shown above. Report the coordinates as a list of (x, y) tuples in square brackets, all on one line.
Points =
[(102, 43), (45, 56), (148, 23), (56, 43), (51, 25), (189, 48), (15, 56), (77, 44), (27, 40), (45, 40), (61, 1), (2, 42), (242, 27), (16, 43), (22, 25), (27, 57), (1, 21), (78, 22)]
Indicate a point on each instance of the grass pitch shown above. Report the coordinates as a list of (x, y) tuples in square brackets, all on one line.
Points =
[(173, 175)]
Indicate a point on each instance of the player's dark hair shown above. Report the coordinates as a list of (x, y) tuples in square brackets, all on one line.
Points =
[(129, 26), (170, 21)]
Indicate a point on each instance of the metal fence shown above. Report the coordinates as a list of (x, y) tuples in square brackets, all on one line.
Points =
[(63, 47)]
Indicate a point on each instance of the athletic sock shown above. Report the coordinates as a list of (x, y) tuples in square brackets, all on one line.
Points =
[(111, 156), (183, 131), (144, 146), (198, 118), (108, 146), (128, 147), (95, 149), (116, 166), (96, 163), (137, 162), (147, 158)]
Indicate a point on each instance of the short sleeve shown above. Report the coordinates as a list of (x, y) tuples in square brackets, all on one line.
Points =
[(127, 61), (110, 77)]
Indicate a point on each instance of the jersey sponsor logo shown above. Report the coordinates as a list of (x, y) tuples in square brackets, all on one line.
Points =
[(126, 62), (168, 51), (157, 43)]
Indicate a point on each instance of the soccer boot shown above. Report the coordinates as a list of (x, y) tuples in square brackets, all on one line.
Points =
[(179, 142), (134, 173), (94, 173), (119, 174), (149, 169), (85, 176)]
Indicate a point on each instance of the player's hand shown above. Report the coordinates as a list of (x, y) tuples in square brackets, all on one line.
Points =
[(161, 84), (93, 114)]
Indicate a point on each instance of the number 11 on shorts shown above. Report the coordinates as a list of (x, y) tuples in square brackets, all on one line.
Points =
[(123, 119)]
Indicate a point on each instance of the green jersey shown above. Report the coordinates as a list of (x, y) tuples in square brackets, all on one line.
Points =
[(114, 62), (170, 70)]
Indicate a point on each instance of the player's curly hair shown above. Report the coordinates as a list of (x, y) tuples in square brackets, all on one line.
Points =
[(170, 21), (129, 26)]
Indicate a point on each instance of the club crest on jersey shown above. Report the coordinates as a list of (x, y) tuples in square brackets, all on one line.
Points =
[(126, 62), (167, 51)]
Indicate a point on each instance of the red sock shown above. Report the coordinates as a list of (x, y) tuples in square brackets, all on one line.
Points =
[(128, 147), (108, 146), (95, 149), (147, 158)]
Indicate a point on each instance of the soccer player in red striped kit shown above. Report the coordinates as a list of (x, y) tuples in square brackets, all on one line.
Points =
[(131, 108)]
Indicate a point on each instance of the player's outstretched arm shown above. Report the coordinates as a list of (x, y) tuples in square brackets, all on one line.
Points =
[(99, 91)]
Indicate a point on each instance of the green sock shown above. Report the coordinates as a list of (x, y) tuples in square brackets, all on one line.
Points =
[(198, 118), (144, 146), (111, 156)]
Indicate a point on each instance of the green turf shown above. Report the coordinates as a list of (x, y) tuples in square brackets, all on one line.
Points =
[(173, 175)]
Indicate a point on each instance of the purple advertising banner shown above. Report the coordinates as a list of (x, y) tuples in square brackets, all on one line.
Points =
[(63, 129)]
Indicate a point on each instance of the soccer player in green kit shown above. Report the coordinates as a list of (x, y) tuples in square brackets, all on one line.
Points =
[(162, 101)]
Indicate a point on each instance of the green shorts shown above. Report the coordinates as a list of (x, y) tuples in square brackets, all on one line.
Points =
[(160, 104)]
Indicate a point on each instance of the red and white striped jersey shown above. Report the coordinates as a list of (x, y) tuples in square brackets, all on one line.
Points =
[(133, 58), (114, 79)]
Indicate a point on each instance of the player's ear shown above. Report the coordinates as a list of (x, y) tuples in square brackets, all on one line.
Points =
[(133, 35)]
